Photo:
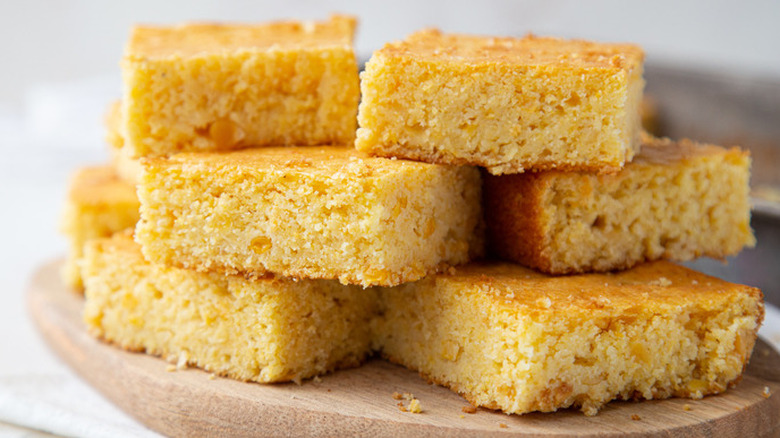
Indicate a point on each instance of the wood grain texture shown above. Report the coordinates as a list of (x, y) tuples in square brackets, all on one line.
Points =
[(359, 402)]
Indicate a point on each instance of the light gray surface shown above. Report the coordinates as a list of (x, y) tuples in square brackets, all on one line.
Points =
[(53, 42)]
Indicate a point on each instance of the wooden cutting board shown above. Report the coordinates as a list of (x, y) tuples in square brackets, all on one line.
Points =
[(359, 401)]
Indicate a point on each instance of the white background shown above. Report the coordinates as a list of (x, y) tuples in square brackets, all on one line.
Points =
[(59, 69)]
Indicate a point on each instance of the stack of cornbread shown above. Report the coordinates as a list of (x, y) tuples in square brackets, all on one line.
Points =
[(278, 242)]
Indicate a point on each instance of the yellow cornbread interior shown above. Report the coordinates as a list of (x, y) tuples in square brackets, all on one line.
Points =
[(677, 200), (98, 204), (314, 212), (510, 338), (218, 87), (506, 104), (264, 330), (127, 167)]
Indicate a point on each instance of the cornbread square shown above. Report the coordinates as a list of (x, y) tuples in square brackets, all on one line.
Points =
[(507, 104), (198, 87), (676, 200), (127, 167), (98, 204), (309, 212), (510, 338), (264, 330)]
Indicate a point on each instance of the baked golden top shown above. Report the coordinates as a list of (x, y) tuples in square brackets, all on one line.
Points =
[(311, 160), (100, 184), (530, 50), (666, 151), (649, 286), (193, 39)]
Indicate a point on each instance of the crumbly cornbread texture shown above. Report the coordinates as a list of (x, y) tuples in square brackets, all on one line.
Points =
[(676, 200), (199, 87), (506, 104), (510, 338), (309, 212), (98, 204), (127, 167), (264, 330)]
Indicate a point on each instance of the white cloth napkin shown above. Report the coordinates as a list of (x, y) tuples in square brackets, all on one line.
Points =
[(62, 404)]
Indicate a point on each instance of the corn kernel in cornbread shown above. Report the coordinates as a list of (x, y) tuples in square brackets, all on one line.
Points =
[(198, 87), (676, 200), (98, 204), (510, 338), (507, 104), (264, 330), (309, 212)]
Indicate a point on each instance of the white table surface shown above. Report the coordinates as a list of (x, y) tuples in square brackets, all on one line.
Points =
[(59, 130)]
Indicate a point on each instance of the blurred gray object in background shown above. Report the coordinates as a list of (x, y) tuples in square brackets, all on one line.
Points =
[(731, 110)]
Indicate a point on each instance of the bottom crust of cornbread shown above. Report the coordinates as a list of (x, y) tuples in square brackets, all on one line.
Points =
[(263, 330), (513, 339), (99, 204), (675, 201)]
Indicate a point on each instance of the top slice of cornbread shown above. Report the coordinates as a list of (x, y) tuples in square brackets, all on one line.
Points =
[(227, 86), (508, 104), (309, 212), (677, 200)]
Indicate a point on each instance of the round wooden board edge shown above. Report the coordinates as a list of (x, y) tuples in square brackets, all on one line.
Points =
[(137, 392)]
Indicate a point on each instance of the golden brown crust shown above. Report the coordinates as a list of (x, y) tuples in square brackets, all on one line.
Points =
[(192, 39), (513, 213), (432, 44)]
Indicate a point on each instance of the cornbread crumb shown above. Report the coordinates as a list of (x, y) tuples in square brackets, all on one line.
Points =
[(181, 363), (502, 425), (661, 281), (687, 407), (676, 200), (264, 329), (212, 376), (397, 396), (507, 104), (635, 417), (766, 393), (317, 379), (98, 204), (171, 368), (470, 409), (401, 406), (361, 220), (217, 87), (414, 406), (593, 344), (461, 416)]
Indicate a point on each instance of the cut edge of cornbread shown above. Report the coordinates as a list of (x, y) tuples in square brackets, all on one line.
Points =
[(463, 99), (677, 200), (98, 204), (509, 338), (204, 86), (309, 212), (264, 329)]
